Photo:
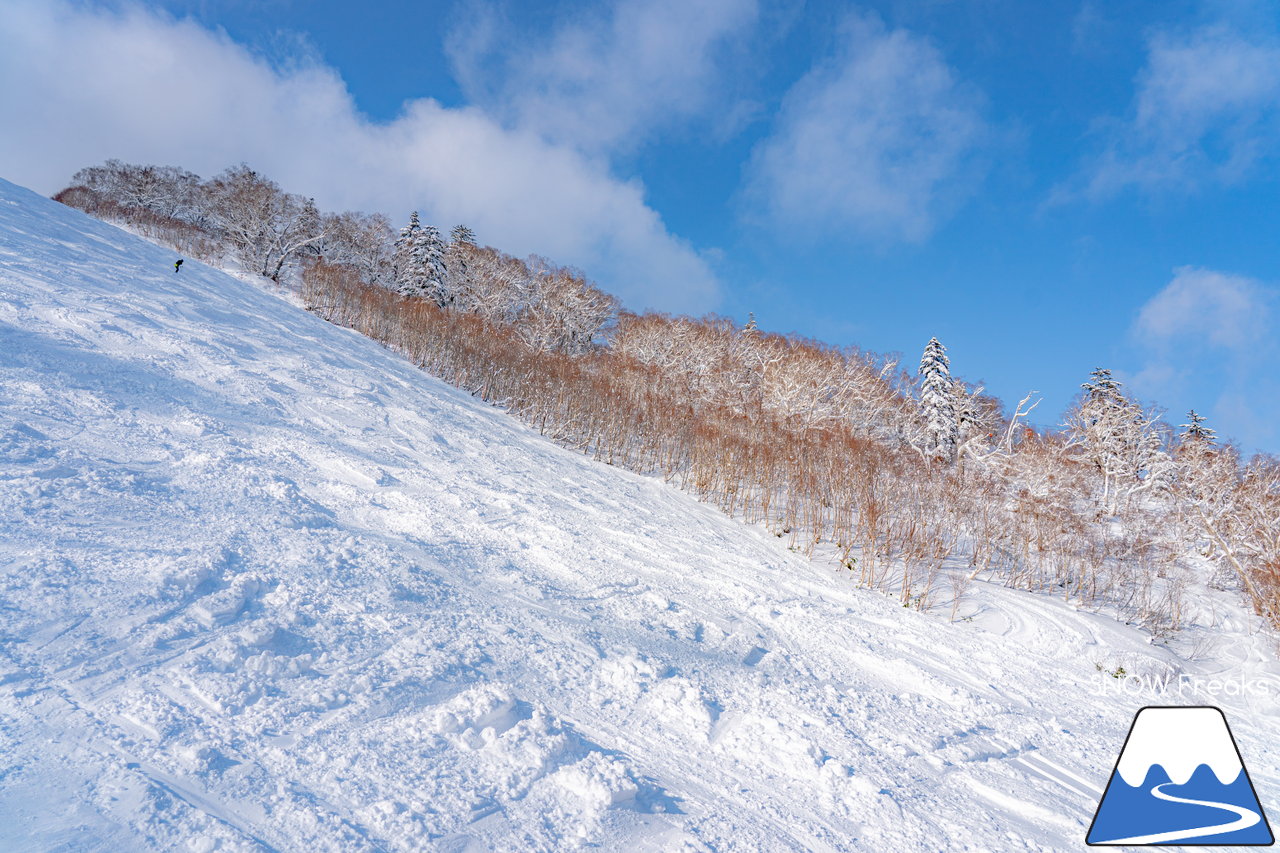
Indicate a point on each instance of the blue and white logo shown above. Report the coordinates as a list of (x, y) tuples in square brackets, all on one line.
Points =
[(1180, 780)]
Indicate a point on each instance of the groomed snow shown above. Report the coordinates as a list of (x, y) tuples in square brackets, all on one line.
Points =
[(268, 587)]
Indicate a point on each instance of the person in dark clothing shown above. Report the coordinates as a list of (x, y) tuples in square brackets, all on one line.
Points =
[(177, 265)]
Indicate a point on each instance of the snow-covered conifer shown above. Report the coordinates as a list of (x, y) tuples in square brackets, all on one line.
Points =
[(1124, 443), (1195, 430), (403, 267), (1101, 386), (428, 257), (462, 235), (937, 401), (458, 282), (419, 262)]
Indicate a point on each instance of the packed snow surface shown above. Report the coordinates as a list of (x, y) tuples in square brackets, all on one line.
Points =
[(265, 586)]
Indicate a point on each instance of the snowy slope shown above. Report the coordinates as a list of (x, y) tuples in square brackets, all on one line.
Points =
[(266, 586)]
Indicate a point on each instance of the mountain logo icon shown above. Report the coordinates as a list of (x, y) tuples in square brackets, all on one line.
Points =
[(1180, 780)]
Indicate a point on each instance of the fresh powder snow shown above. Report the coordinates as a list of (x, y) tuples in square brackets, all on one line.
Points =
[(266, 586)]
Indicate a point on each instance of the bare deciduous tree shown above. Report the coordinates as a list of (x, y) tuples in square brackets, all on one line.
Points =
[(265, 226)]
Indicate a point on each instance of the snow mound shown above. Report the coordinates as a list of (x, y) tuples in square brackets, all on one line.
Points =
[(266, 586)]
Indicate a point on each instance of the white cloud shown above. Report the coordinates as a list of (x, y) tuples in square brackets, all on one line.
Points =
[(609, 79), (1206, 108), (880, 138), (1203, 307), (1206, 341), (85, 84)]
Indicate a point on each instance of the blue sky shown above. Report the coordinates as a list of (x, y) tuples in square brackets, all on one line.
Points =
[(1045, 187)]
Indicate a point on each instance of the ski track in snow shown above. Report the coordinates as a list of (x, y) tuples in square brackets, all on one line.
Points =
[(268, 587)]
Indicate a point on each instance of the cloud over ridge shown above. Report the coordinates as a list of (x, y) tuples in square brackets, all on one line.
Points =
[(142, 86)]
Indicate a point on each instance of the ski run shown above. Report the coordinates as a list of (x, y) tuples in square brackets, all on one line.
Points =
[(266, 586)]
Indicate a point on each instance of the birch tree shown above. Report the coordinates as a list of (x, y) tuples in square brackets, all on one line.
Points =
[(265, 226)]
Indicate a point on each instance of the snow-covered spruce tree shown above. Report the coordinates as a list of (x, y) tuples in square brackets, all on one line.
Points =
[(1208, 476), (1123, 443), (938, 402), (403, 273), (461, 235), (428, 257), (1195, 430), (1099, 421), (1232, 512), (457, 263), (1206, 472), (1101, 385), (419, 263)]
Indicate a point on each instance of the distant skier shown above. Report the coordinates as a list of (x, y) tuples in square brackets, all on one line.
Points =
[(177, 265)]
